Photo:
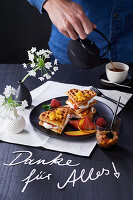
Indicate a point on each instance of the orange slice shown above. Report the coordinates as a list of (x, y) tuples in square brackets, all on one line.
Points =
[(75, 133)]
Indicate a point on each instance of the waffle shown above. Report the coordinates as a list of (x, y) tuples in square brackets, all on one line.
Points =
[(79, 110), (87, 112), (58, 120), (55, 130), (87, 95)]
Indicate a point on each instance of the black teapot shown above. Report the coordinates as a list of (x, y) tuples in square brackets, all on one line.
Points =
[(85, 54)]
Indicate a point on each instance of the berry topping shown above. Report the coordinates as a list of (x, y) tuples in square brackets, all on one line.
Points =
[(55, 103), (110, 135), (101, 122)]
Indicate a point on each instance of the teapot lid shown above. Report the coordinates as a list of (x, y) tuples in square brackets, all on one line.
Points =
[(90, 47)]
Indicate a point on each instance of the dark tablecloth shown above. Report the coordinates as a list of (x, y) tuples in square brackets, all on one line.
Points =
[(119, 158)]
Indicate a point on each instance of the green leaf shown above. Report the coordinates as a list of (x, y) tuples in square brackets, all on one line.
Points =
[(46, 107)]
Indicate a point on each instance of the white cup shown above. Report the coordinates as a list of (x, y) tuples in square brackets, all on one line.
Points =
[(114, 76)]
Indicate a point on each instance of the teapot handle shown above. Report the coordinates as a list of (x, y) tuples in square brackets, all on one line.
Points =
[(109, 44)]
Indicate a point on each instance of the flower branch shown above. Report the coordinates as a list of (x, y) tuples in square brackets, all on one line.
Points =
[(9, 103), (38, 61)]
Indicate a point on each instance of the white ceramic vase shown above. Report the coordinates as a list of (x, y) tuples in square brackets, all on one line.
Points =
[(15, 123)]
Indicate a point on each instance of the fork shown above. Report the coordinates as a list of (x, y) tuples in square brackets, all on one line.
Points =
[(99, 93)]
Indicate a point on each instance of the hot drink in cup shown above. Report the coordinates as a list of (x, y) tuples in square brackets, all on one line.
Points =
[(118, 73)]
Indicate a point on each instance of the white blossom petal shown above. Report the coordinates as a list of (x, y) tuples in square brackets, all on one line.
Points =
[(13, 91), (46, 55), (33, 49), (55, 62), (52, 73), (55, 68), (48, 65), (24, 104), (48, 76), (32, 64), (31, 56), (32, 73), (9, 91), (24, 65), (48, 51), (41, 78), (40, 52)]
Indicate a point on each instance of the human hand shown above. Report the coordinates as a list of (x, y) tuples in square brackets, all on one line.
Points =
[(69, 18)]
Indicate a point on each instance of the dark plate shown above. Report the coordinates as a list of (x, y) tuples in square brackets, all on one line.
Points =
[(100, 107), (126, 82)]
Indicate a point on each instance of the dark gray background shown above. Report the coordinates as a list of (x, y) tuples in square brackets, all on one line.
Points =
[(21, 27)]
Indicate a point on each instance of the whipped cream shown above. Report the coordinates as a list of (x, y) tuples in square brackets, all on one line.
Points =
[(92, 109), (49, 126), (82, 106), (67, 119)]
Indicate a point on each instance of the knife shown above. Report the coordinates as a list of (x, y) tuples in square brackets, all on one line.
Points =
[(106, 81)]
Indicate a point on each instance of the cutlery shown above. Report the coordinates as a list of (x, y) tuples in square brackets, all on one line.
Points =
[(106, 81), (99, 93), (113, 119)]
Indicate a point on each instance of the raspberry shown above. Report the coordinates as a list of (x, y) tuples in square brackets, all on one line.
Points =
[(55, 103), (101, 122)]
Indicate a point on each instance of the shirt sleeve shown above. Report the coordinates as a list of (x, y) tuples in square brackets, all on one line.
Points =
[(38, 4)]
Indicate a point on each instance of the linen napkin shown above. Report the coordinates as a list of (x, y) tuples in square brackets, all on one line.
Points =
[(31, 137)]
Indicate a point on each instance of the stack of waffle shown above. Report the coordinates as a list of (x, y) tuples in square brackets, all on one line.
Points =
[(81, 103), (55, 119)]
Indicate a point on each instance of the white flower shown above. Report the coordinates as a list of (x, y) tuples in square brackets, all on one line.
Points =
[(22, 107), (24, 66), (31, 56), (52, 73), (48, 51), (24, 104), (38, 54), (39, 63), (13, 91), (48, 76), (32, 73), (32, 65), (48, 65), (9, 91), (8, 105), (41, 78), (33, 49), (2, 100), (55, 68), (41, 52), (55, 62), (46, 55)]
